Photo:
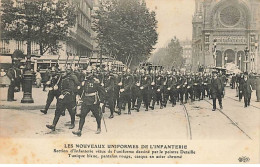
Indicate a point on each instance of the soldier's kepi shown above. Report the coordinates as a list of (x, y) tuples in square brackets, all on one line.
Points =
[(92, 96)]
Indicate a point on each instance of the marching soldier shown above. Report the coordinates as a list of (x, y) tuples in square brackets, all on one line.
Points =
[(159, 90), (153, 90), (173, 92), (181, 84), (145, 91), (109, 96), (125, 93), (66, 99), (54, 85), (208, 86), (189, 89), (92, 98), (136, 93)]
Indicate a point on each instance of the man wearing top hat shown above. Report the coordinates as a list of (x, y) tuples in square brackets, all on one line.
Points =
[(216, 90)]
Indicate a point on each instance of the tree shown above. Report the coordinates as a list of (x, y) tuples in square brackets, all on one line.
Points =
[(170, 56), (125, 29), (47, 21)]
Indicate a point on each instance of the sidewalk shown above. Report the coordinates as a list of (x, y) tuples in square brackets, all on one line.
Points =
[(38, 95)]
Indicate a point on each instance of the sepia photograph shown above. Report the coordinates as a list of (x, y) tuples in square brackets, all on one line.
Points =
[(129, 82)]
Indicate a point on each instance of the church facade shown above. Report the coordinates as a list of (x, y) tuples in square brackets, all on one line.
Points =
[(226, 31)]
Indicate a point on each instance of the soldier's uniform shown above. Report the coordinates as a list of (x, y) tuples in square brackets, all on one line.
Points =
[(197, 87), (125, 93), (181, 88), (173, 92), (208, 86), (166, 89), (189, 89), (109, 86), (92, 95), (145, 91), (159, 90), (54, 90), (204, 87), (66, 100), (153, 92), (136, 93)]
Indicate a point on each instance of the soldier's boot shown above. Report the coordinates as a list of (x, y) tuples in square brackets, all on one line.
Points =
[(153, 103), (44, 111), (161, 105), (118, 112), (52, 127), (78, 133), (111, 116), (98, 131), (72, 126), (129, 111)]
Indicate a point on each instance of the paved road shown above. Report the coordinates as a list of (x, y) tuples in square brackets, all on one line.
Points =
[(168, 123)]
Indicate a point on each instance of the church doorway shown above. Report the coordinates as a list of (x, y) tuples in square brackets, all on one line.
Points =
[(229, 56)]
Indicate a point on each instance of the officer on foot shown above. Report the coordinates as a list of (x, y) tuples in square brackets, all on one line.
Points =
[(92, 96)]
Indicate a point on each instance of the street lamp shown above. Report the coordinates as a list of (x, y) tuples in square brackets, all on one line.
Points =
[(246, 54), (27, 94)]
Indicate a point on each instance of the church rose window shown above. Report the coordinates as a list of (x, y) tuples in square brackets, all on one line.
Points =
[(230, 16)]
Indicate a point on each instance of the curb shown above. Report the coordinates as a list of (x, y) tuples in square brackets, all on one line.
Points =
[(25, 107)]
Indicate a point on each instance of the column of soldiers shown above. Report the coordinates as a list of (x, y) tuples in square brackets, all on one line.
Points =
[(123, 92)]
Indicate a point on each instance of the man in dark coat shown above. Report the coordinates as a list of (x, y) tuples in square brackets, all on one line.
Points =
[(216, 90), (12, 75), (247, 90)]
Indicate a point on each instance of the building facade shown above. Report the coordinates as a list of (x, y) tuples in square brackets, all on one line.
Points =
[(226, 31), (187, 51), (80, 45)]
